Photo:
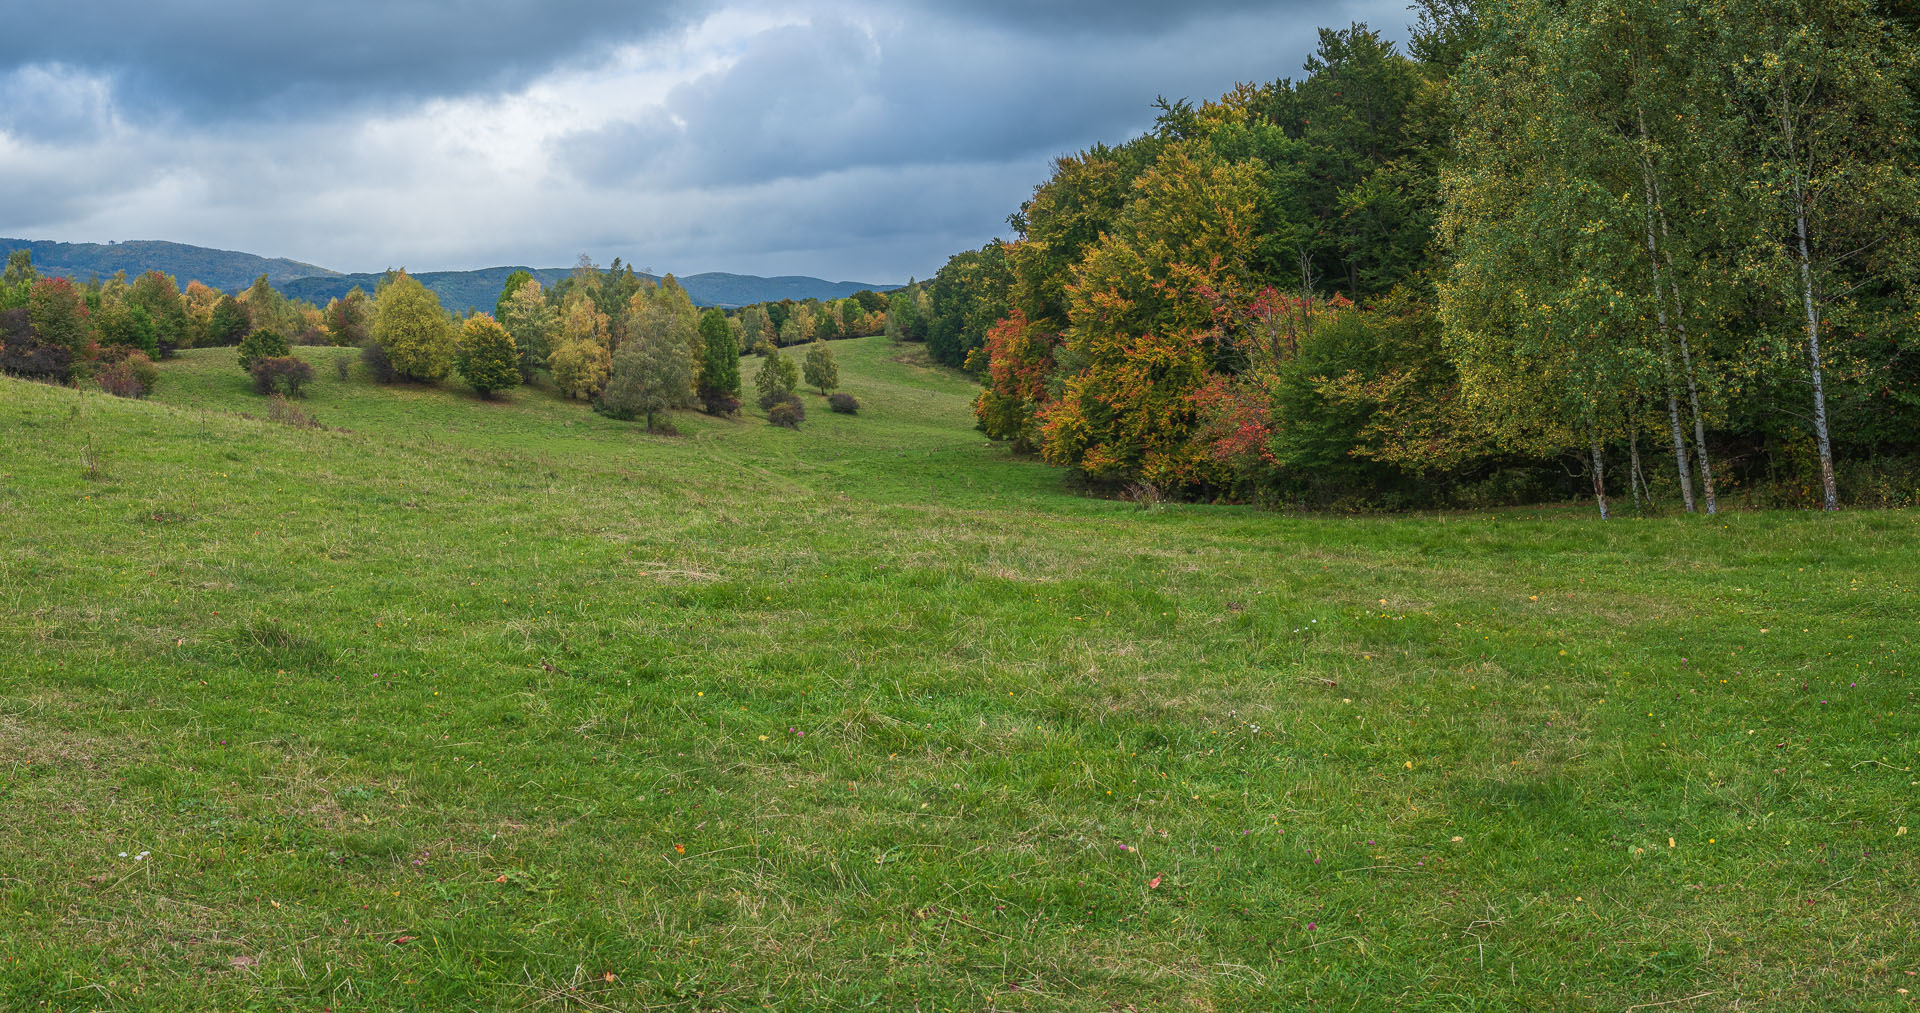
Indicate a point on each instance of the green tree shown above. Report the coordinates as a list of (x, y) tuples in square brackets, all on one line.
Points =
[(128, 326), (262, 343), (821, 371), (413, 330), (513, 283), (534, 324), (58, 312), (228, 323), (652, 372), (17, 282), (720, 370), (159, 296), (778, 376), (487, 357)]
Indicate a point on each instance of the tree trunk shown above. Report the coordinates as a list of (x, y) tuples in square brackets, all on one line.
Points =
[(1660, 309), (1600, 481), (1634, 479), (1807, 305), (1686, 356)]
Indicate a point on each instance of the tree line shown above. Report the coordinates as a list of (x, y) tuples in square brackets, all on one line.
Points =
[(1548, 246), (632, 347)]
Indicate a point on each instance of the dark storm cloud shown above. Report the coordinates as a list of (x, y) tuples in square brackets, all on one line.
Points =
[(839, 138), (218, 58), (809, 98)]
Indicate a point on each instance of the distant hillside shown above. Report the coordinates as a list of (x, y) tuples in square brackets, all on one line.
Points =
[(226, 270), (464, 290), (458, 290), (231, 271)]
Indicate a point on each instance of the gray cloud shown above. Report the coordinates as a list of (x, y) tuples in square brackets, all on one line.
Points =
[(220, 58), (845, 141)]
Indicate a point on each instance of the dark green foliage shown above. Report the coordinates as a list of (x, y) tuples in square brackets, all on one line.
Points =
[(716, 403), (128, 326), (720, 365), (967, 296), (261, 344), (378, 365), (229, 323), (843, 403), (23, 354), (59, 314)]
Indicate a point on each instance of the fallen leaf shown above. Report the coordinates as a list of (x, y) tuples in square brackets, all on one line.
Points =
[(679, 849), (1154, 883), (403, 940), (241, 961)]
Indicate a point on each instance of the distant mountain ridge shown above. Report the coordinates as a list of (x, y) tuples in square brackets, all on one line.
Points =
[(230, 271)]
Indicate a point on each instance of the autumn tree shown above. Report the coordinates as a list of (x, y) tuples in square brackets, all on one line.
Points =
[(58, 313), (413, 330), (349, 319), (486, 356)]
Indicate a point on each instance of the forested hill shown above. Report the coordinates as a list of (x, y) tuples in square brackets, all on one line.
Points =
[(227, 270), (232, 271), (465, 290)]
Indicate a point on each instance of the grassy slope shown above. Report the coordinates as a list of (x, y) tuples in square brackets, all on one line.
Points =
[(528, 690)]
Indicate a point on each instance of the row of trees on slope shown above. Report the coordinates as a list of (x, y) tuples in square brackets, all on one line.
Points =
[(1555, 242)]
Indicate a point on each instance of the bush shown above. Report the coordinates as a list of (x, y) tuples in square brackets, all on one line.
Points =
[(486, 356), (23, 354), (342, 367), (281, 374), (264, 343), (314, 337), (719, 402), (378, 365), (289, 414), (787, 414), (843, 403), (132, 376)]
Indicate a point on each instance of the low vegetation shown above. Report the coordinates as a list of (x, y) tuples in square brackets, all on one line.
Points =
[(500, 706)]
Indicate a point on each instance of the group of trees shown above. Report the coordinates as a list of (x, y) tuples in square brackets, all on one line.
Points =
[(633, 347), (1551, 243)]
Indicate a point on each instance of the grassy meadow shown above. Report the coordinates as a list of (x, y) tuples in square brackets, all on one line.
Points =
[(465, 705)]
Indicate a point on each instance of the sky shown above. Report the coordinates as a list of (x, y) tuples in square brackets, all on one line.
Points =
[(849, 141)]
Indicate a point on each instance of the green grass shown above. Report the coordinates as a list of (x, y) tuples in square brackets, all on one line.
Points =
[(496, 706)]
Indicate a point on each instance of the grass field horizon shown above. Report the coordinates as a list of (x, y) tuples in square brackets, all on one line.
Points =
[(458, 704)]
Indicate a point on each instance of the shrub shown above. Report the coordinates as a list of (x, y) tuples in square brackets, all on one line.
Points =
[(378, 365), (281, 374), (289, 414), (486, 356), (264, 343), (342, 367), (22, 353), (132, 376), (843, 403), (313, 337), (717, 402), (787, 414)]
